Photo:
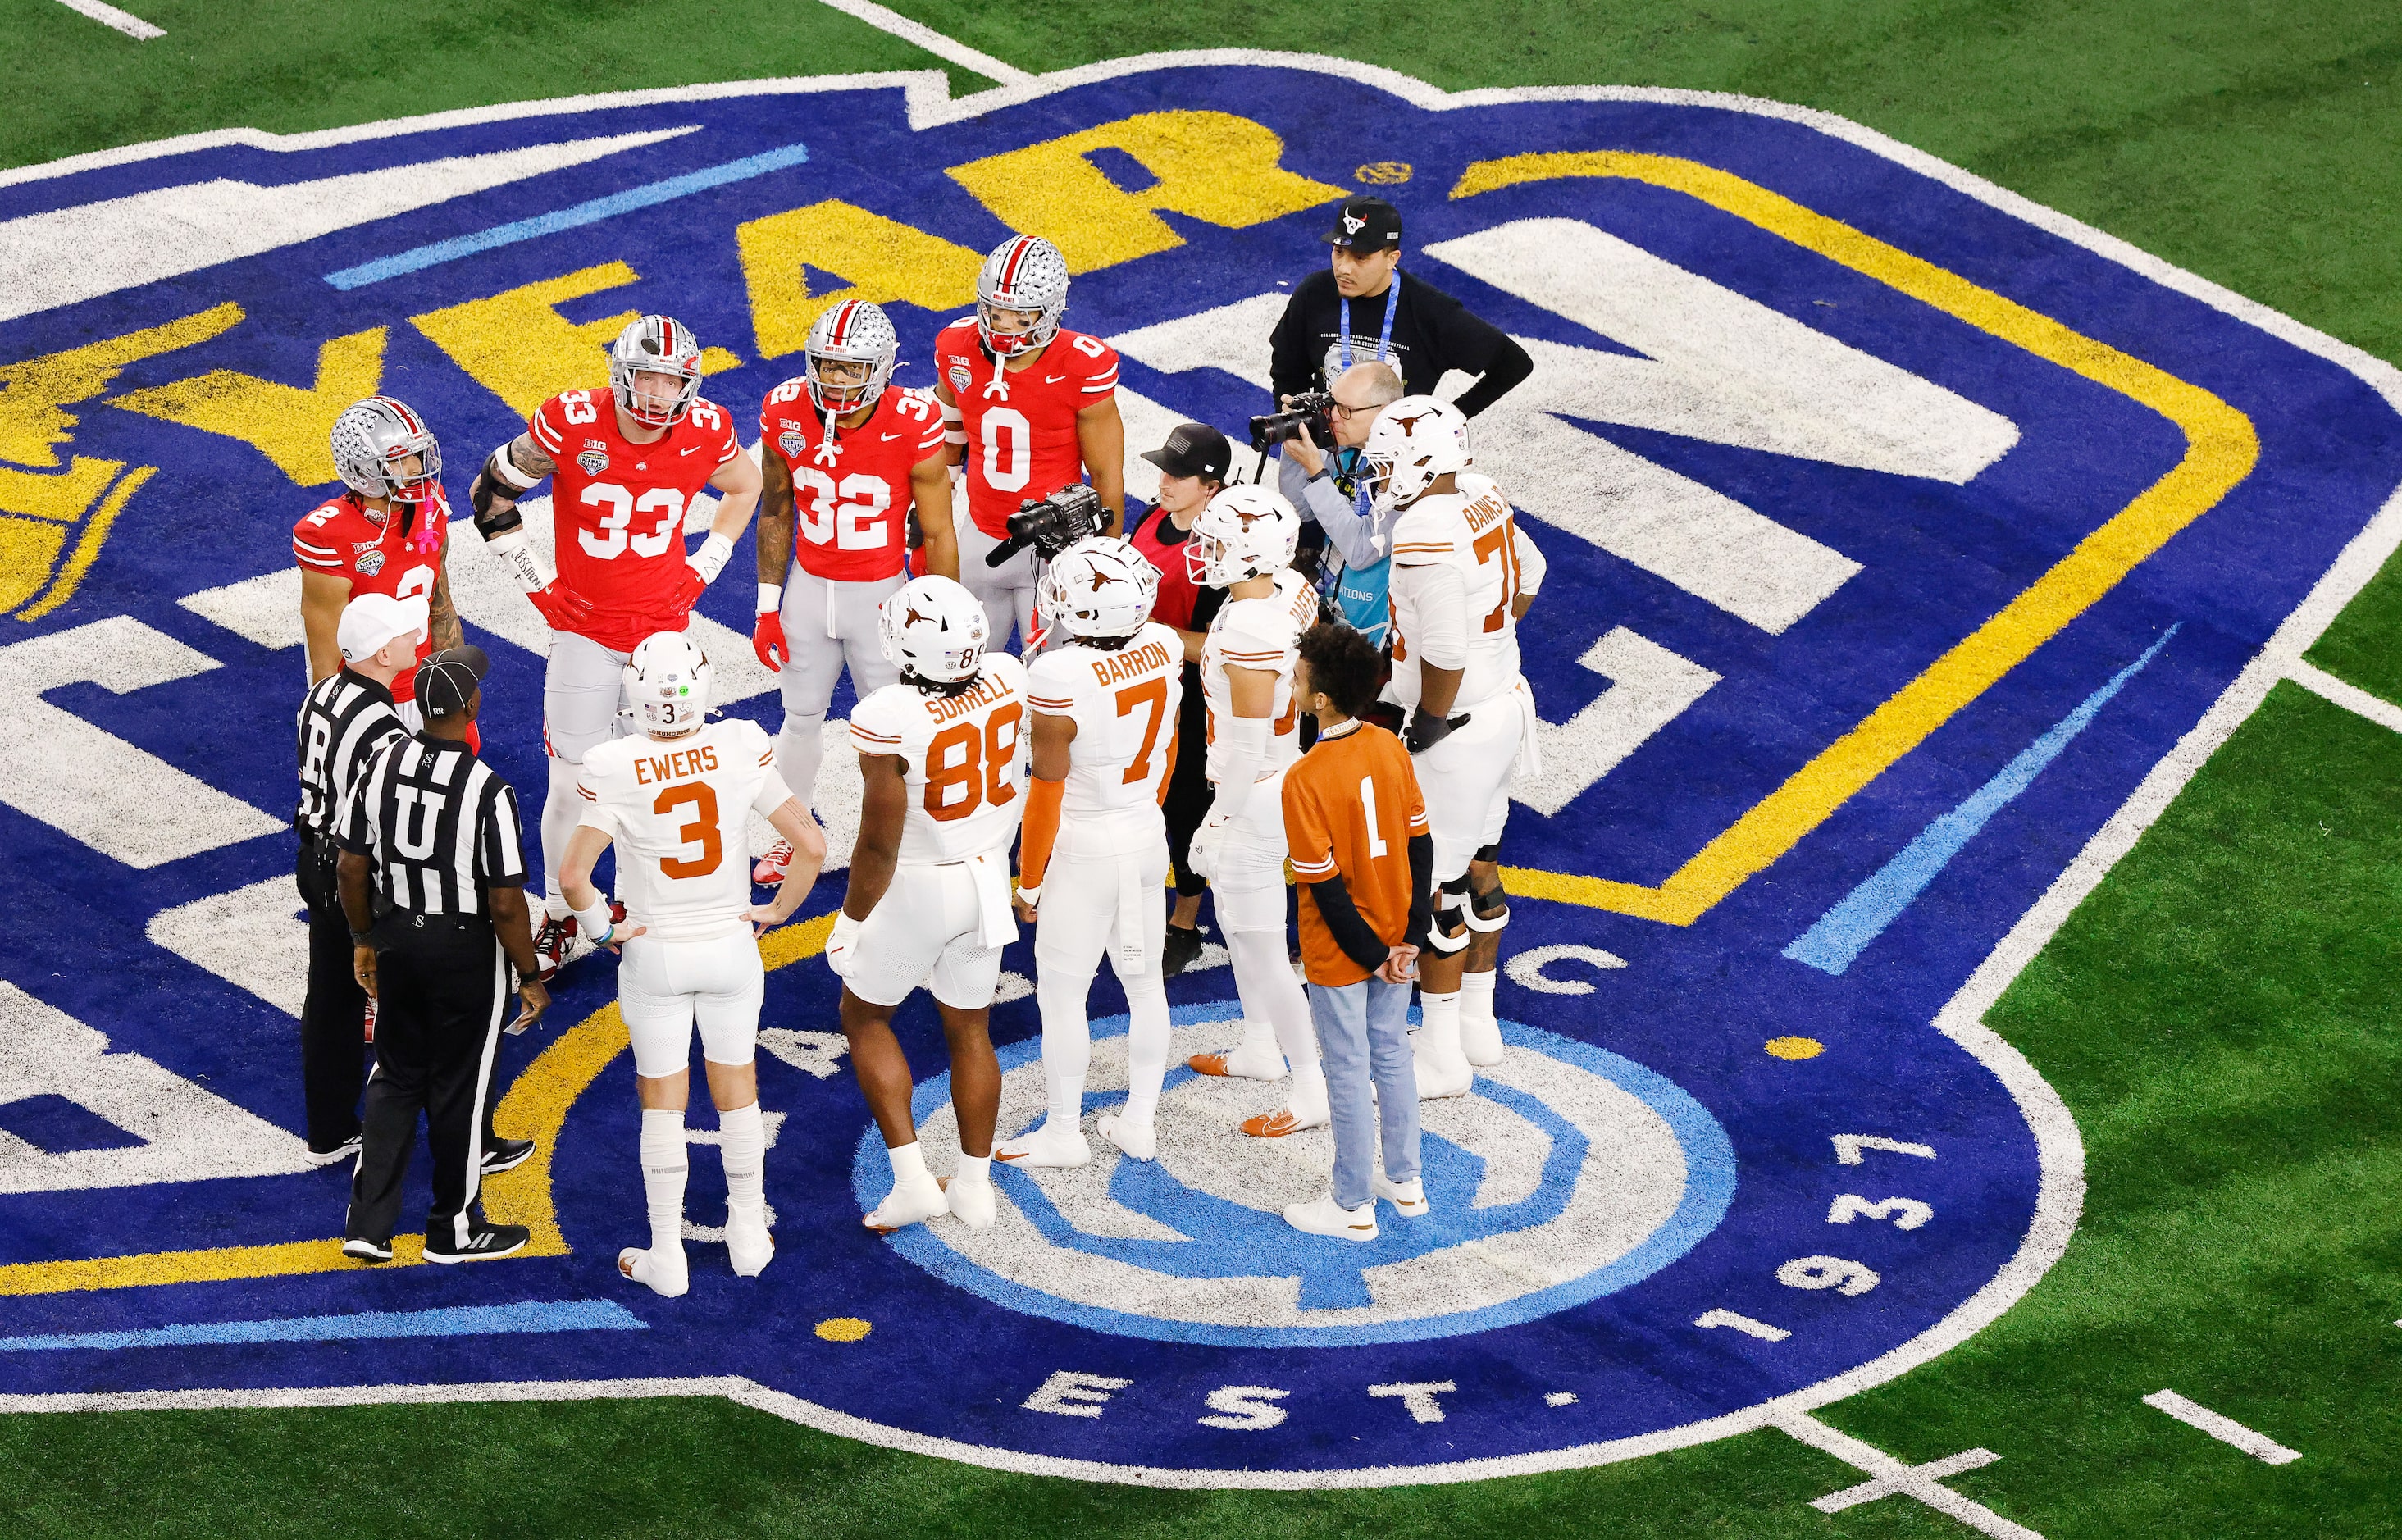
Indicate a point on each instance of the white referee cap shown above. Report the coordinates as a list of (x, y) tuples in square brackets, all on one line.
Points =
[(371, 620)]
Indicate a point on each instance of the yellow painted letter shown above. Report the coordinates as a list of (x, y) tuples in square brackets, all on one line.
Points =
[(519, 347), (287, 424), (880, 259), (33, 392), (1211, 166)]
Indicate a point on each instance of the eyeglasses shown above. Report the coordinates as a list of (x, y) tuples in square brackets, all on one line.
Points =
[(1345, 414)]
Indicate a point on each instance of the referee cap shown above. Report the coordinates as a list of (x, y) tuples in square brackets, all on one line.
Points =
[(447, 681), (372, 620)]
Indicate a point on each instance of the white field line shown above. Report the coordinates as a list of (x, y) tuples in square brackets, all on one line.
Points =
[(109, 16), (2352, 698), (886, 20), (2226, 1430), (1896, 1477)]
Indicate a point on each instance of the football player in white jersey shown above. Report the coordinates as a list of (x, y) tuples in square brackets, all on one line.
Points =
[(673, 802), (1095, 855), (1243, 542), (942, 757), (1463, 575)]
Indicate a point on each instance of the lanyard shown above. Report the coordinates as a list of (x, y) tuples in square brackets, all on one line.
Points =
[(1360, 499)]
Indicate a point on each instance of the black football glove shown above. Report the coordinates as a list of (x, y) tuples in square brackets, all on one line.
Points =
[(1424, 732)]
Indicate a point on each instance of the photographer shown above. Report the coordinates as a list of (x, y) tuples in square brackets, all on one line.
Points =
[(1362, 308), (1320, 483)]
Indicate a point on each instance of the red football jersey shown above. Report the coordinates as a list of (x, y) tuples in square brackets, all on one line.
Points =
[(342, 539), (850, 496), (1022, 429), (617, 509)]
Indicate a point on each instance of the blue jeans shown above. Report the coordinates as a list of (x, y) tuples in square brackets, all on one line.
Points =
[(1363, 1033)]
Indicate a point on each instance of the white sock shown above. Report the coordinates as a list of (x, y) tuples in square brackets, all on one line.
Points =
[(800, 748), (742, 1142), (1146, 1047), (1480, 1033), (974, 1168), (908, 1165), (664, 1166), (559, 820), (1261, 954), (1066, 1048), (1438, 1037)]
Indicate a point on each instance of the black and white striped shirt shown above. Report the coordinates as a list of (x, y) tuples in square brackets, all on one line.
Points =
[(440, 825), (346, 719)]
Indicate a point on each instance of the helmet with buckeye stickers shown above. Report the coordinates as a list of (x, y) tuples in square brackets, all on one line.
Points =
[(654, 345), (1025, 273), (856, 332), (372, 443)]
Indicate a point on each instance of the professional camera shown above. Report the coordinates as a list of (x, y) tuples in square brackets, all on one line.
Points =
[(1311, 409), (1053, 524)]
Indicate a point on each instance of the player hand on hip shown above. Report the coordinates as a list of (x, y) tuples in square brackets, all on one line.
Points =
[(767, 640), (563, 609), (1400, 965), (690, 585)]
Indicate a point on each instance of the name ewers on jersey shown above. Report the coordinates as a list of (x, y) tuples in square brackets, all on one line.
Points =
[(1863, 489)]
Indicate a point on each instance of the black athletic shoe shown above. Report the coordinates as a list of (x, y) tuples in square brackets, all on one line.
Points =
[(484, 1241), (1183, 946), (360, 1249), (343, 1151), (506, 1155)]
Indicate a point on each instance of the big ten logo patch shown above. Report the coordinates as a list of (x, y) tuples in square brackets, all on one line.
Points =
[(1897, 533)]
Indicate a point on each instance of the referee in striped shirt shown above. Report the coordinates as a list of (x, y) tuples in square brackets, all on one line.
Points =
[(436, 933), (348, 717)]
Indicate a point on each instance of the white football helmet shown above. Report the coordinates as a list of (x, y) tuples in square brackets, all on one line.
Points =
[(1100, 587), (1248, 530), (932, 630), (668, 678), (1416, 440), (1024, 273), (372, 441), (856, 331), (654, 345)]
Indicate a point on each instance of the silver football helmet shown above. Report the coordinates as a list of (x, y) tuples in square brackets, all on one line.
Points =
[(654, 345), (1024, 273), (372, 442), (856, 331)]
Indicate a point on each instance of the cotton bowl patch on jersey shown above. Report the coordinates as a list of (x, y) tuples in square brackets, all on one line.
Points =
[(1908, 545)]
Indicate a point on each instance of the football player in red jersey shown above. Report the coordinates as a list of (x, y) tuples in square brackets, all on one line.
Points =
[(1028, 407), (847, 460), (353, 545), (624, 470)]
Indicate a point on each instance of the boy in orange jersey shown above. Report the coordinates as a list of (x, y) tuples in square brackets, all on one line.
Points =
[(1364, 856)]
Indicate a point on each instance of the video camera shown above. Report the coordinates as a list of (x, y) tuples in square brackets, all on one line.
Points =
[(1311, 409), (1051, 524)]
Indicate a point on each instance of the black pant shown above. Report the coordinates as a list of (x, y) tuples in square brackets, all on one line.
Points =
[(441, 993), (333, 1019), (1188, 782)]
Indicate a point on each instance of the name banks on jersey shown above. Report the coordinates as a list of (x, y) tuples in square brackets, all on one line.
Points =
[(1123, 704), (850, 489), (617, 509), (1021, 425), (1474, 531), (341, 539), (676, 813), (960, 757)]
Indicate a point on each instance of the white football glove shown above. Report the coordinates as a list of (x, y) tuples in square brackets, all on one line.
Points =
[(838, 944), (1202, 857)]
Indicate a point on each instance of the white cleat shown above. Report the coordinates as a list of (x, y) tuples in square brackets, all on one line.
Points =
[(1442, 1069), (1325, 1217), (1480, 1041), (1141, 1142), (973, 1204), (907, 1206), (1409, 1197), (1266, 1064), (748, 1246), (1048, 1148), (652, 1269)]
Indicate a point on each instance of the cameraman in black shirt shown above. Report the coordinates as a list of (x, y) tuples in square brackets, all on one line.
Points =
[(1361, 305)]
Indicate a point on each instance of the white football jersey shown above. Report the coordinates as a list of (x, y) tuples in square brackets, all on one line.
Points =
[(963, 757), (1472, 531), (1258, 633), (676, 812), (1123, 704)]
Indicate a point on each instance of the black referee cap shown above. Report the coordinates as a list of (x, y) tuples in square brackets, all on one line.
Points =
[(447, 681)]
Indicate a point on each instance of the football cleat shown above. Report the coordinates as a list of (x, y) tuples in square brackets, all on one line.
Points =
[(772, 866), (1182, 950), (1267, 1066), (1277, 1124)]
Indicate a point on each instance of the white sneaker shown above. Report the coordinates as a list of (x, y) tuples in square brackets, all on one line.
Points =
[(1325, 1217), (908, 1205), (973, 1204), (655, 1271), (1045, 1147), (1409, 1197), (1118, 1128)]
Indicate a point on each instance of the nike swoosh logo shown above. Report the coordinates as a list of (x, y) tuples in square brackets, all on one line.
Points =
[(890, 437), (1053, 380), (694, 450)]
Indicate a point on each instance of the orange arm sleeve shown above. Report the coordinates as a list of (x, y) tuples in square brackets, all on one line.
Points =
[(1041, 829), (1174, 736)]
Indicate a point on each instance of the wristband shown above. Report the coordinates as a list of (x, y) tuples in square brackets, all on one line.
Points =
[(710, 558), (1031, 897), (771, 597), (595, 922)]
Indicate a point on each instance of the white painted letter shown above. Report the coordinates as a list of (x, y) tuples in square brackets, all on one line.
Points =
[(1419, 1398), (1068, 1394), (1245, 1408)]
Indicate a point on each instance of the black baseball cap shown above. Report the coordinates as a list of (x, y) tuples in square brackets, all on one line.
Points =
[(447, 681), (1366, 225), (1193, 450)]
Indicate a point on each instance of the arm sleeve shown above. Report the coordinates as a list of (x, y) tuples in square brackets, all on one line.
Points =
[(1531, 565), (1246, 740), (1421, 891), (1041, 829), (1431, 604), (1342, 921)]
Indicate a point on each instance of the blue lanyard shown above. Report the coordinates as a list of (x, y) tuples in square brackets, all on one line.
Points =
[(1384, 352)]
